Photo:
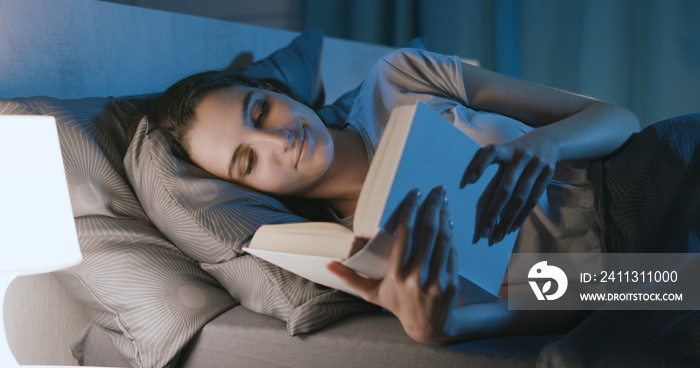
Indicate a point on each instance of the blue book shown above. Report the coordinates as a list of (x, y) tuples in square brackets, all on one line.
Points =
[(419, 149)]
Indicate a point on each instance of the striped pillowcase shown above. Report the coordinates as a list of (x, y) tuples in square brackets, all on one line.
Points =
[(147, 294)]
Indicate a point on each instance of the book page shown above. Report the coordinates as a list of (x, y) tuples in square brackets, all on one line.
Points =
[(380, 176), (326, 239)]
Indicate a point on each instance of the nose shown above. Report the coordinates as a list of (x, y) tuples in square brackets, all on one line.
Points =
[(281, 139)]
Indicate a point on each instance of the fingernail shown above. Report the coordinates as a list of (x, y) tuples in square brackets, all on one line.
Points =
[(515, 227), (485, 232), (451, 224), (412, 197), (498, 237)]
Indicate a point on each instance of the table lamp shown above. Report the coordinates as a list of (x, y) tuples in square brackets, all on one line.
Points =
[(37, 230)]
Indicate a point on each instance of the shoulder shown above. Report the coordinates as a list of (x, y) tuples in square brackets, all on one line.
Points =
[(418, 71), (402, 56), (392, 75), (413, 61), (414, 56), (394, 64)]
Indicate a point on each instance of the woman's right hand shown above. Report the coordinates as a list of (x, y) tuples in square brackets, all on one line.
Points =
[(420, 283)]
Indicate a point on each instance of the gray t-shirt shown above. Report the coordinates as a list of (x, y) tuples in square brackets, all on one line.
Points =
[(563, 221)]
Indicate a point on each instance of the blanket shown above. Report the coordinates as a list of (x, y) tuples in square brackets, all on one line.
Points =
[(647, 201)]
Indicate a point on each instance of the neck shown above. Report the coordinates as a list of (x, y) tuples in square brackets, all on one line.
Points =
[(341, 186)]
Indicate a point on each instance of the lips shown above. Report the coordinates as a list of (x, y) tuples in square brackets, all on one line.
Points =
[(302, 141)]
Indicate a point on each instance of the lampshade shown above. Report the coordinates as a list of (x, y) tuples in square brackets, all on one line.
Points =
[(37, 230)]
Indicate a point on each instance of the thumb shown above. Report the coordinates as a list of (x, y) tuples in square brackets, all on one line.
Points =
[(364, 285)]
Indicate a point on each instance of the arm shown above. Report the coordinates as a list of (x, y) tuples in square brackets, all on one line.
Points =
[(579, 126), (570, 127), (487, 320)]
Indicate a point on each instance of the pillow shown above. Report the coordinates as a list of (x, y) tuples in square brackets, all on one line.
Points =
[(298, 65), (146, 293)]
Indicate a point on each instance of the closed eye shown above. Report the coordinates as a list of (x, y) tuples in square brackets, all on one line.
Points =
[(263, 107), (251, 162)]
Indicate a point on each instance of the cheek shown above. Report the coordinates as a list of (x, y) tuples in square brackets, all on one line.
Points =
[(326, 148), (276, 180), (211, 162)]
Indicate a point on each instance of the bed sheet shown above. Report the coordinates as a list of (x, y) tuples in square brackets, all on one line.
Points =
[(243, 338)]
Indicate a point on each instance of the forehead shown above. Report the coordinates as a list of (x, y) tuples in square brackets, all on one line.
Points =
[(216, 129), (222, 108), (221, 101)]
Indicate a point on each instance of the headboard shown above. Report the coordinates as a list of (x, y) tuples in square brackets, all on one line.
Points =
[(85, 48)]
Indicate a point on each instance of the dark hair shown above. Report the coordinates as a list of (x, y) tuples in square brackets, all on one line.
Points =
[(173, 111)]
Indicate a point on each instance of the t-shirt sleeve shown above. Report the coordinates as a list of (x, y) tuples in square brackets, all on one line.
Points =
[(423, 72), (401, 78)]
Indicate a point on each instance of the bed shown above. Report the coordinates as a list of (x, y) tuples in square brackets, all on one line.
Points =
[(158, 284)]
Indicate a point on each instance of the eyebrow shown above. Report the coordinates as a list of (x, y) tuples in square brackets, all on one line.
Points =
[(246, 105), (234, 159), (237, 151)]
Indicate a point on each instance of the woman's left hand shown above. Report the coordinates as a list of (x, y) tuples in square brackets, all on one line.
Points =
[(420, 283), (526, 167)]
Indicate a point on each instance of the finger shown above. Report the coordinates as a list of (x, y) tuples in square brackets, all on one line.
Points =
[(483, 202), (469, 175), (449, 258), (483, 158), (402, 211), (537, 192), (365, 286), (400, 246), (502, 194), (427, 232), (407, 221), (532, 184), (520, 197), (415, 226), (452, 268), (439, 260), (427, 222)]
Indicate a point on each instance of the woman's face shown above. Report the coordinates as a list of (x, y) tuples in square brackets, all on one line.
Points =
[(261, 139)]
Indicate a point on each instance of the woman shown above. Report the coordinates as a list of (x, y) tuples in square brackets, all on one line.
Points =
[(256, 134)]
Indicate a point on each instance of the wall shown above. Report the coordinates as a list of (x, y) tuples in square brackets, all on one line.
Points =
[(284, 14)]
